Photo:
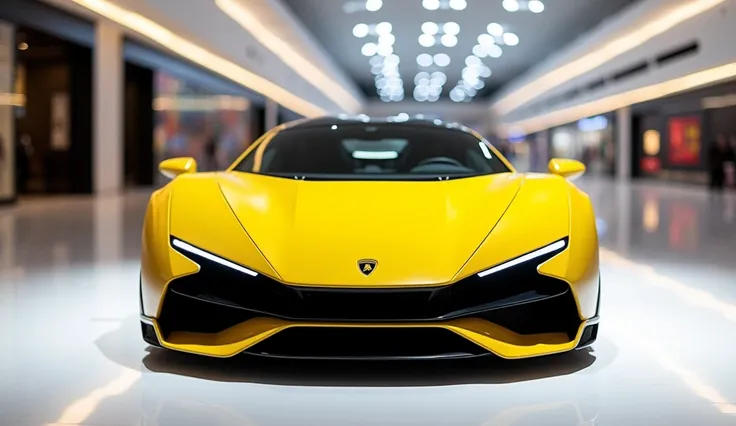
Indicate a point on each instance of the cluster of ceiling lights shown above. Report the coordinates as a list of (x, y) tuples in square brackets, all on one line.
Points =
[(428, 87), (384, 62), (535, 6), (433, 32), (444, 4), (489, 46), (387, 78)]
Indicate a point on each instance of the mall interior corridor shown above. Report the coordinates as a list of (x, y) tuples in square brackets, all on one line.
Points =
[(72, 353)]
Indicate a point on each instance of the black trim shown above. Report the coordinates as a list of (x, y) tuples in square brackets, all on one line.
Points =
[(263, 296), (678, 53), (149, 335), (338, 343), (589, 336), (631, 71)]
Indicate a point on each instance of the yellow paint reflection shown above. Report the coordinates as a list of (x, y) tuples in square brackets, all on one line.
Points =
[(80, 410), (691, 295)]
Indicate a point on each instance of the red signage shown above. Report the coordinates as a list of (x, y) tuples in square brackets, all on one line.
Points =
[(650, 165), (684, 146)]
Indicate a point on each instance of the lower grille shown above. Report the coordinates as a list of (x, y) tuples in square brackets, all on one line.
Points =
[(366, 343)]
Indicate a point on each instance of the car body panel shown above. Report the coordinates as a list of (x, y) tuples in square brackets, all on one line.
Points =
[(494, 338), (420, 233)]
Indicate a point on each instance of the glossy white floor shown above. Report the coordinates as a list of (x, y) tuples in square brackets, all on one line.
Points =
[(71, 353)]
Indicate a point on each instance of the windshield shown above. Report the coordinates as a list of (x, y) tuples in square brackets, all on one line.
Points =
[(384, 151)]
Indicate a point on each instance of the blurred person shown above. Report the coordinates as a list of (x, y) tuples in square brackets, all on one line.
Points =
[(717, 158), (730, 169)]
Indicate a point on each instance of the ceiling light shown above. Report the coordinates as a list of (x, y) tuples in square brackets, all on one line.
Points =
[(373, 5), (397, 97), (431, 4), (384, 49), (391, 60), (381, 83), (387, 39), (511, 5), (479, 85), (385, 98), (376, 69), (495, 29), (433, 98), (479, 51), (360, 30), (369, 49), (420, 76), (422, 90), (430, 28), (383, 28), (448, 40), (451, 28), (470, 75), (424, 60), (486, 41), (472, 61), (484, 72), (510, 39), (442, 59), (435, 90), (457, 95), (423, 82), (426, 40), (535, 6), (439, 78), (458, 4), (376, 60), (495, 51)]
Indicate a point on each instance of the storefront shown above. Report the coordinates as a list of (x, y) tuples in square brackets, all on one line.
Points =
[(676, 138), (590, 140), (8, 101), (193, 121)]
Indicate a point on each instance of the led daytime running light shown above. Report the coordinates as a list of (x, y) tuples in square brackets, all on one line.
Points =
[(529, 256), (191, 249)]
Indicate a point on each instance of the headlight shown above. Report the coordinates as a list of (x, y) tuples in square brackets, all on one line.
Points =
[(209, 256), (559, 245)]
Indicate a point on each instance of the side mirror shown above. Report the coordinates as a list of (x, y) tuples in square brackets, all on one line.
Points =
[(569, 169), (173, 167)]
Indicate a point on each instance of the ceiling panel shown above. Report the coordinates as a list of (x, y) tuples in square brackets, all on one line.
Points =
[(539, 34)]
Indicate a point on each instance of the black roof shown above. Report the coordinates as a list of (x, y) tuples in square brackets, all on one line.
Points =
[(364, 119)]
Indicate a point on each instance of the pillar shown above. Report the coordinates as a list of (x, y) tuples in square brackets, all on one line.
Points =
[(108, 102), (272, 115), (624, 144)]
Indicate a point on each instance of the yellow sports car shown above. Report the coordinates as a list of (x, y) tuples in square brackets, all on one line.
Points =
[(348, 238)]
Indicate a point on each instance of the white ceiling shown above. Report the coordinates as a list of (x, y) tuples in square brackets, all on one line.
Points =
[(540, 35)]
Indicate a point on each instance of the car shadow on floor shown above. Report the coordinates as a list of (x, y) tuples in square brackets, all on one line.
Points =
[(253, 369)]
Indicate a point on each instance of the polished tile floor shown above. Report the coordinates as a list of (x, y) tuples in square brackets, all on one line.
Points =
[(70, 350)]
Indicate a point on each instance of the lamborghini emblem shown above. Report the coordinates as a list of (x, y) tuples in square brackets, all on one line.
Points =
[(367, 266)]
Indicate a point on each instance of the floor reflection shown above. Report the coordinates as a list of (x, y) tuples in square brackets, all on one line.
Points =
[(71, 351)]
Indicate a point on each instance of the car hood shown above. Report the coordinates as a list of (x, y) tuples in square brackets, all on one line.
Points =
[(419, 233)]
